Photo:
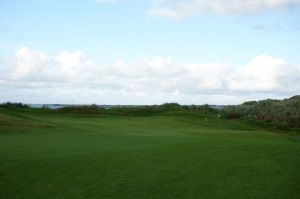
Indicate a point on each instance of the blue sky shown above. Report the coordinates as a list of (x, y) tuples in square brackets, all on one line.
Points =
[(129, 33)]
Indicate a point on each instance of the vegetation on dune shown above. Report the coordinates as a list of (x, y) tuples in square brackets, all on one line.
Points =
[(283, 114), (139, 110)]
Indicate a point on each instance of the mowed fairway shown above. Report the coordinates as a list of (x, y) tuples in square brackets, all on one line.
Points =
[(52, 155)]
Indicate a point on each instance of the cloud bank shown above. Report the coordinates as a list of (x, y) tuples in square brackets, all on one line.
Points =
[(177, 9), (73, 75)]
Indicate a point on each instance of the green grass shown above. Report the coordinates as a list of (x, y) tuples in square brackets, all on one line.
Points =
[(45, 154)]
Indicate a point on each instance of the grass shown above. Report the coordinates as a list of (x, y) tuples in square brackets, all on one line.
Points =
[(46, 154)]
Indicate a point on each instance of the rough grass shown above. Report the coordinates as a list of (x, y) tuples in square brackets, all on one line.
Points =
[(45, 154)]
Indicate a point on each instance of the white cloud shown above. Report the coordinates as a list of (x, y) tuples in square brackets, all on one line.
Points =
[(266, 74), (73, 75), (177, 9)]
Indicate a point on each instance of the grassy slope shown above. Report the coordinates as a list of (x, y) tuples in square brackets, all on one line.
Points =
[(50, 155)]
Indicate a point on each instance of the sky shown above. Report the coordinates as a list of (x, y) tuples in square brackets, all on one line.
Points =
[(149, 51)]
